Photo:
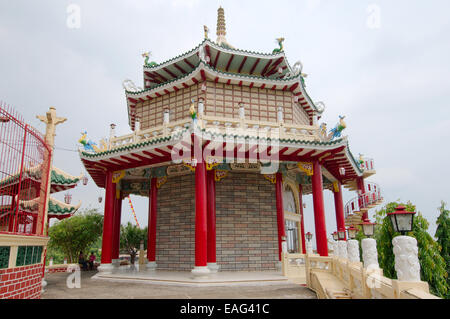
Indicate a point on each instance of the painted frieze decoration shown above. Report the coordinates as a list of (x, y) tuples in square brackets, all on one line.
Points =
[(219, 174), (161, 181), (271, 178), (246, 167), (178, 170), (306, 167)]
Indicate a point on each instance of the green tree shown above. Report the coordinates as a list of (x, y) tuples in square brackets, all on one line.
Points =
[(443, 238), (75, 234), (130, 239), (432, 265)]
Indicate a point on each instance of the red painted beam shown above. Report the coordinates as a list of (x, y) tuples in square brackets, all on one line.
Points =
[(185, 85), (202, 73), (251, 84), (293, 87), (242, 64), (195, 80), (266, 67), (229, 62), (263, 86), (159, 75), (180, 68), (216, 79), (254, 66), (216, 59), (169, 72), (188, 63)]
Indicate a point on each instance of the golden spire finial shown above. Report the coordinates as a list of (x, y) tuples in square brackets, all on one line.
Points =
[(221, 29)]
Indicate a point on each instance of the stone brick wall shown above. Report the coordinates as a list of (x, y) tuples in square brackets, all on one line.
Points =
[(21, 282), (246, 226)]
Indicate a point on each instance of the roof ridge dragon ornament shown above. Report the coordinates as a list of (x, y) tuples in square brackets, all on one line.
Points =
[(280, 43), (147, 55)]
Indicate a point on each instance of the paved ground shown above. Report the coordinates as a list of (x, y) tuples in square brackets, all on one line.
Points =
[(57, 289)]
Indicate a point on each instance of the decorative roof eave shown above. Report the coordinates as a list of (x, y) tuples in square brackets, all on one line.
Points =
[(59, 178), (56, 208), (216, 46), (135, 97)]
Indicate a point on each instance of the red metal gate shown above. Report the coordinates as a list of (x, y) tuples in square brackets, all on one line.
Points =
[(24, 161)]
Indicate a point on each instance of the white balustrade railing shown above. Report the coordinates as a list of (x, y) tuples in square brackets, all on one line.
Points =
[(238, 126)]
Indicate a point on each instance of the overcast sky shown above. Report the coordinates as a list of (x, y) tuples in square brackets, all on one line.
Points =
[(382, 64)]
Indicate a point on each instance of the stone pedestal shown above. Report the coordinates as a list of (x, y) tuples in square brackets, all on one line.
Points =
[(353, 250), (105, 268), (370, 254), (151, 265), (406, 261), (213, 267), (200, 272)]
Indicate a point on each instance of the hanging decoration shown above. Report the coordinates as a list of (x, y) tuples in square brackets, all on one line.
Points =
[(132, 211)]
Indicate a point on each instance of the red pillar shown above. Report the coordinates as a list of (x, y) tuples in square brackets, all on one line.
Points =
[(116, 227), (110, 190), (319, 210), (362, 190), (280, 212), (339, 207), (33, 230), (211, 215), (201, 245), (302, 224), (152, 217)]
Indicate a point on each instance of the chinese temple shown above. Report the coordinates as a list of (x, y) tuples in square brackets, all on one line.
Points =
[(28, 207), (225, 143)]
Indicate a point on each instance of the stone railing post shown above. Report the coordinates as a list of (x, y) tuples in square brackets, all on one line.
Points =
[(342, 249), (353, 250), (407, 265), (370, 254)]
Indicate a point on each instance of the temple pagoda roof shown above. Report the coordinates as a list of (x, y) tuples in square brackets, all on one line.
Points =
[(60, 180), (56, 208), (228, 66)]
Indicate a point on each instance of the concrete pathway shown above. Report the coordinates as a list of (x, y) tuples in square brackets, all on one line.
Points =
[(102, 289)]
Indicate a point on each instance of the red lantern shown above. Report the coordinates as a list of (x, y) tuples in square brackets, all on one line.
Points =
[(67, 198)]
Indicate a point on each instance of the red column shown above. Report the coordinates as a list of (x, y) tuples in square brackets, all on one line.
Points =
[(362, 190), (211, 215), (280, 212), (339, 207), (319, 210), (152, 217), (201, 245), (33, 230), (116, 227), (302, 224), (110, 190)]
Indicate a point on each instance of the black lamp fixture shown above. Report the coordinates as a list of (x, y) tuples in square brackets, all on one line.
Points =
[(402, 220)]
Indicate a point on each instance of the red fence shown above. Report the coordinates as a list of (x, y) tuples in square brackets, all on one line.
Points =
[(24, 164)]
